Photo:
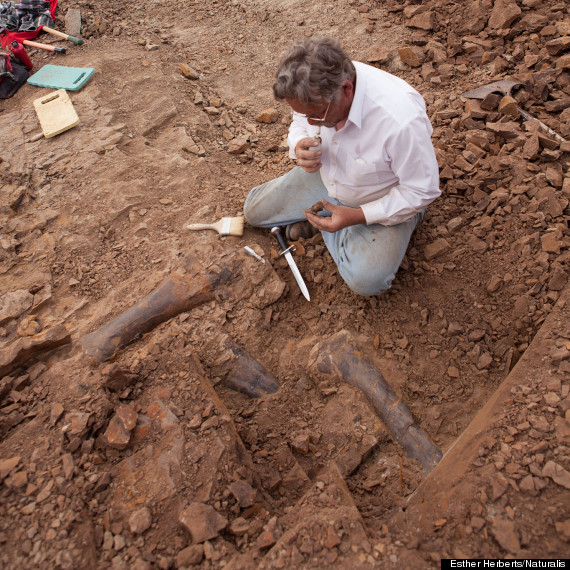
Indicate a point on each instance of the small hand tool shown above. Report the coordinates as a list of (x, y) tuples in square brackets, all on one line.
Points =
[(253, 253), (72, 39), (286, 251), (225, 226), (507, 88), (43, 46)]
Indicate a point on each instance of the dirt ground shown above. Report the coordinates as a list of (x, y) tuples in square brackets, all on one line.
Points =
[(153, 455)]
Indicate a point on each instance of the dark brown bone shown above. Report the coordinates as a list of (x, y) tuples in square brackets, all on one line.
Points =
[(340, 356), (176, 294), (245, 374)]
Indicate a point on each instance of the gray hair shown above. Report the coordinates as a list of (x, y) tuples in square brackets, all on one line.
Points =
[(312, 70)]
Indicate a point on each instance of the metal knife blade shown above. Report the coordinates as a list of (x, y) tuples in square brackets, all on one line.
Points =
[(297, 275), (276, 231)]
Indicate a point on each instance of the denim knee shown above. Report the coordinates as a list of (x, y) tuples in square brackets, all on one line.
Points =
[(369, 283), (249, 210)]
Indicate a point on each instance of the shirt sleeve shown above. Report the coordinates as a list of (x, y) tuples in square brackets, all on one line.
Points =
[(413, 161), (297, 131)]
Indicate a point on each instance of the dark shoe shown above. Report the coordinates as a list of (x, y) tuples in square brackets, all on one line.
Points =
[(300, 230)]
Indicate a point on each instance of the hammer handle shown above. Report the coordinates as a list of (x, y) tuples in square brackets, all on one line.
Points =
[(528, 117), (43, 46), (76, 41)]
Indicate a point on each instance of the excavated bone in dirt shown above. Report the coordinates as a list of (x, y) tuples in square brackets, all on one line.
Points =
[(339, 356), (178, 293), (245, 374)]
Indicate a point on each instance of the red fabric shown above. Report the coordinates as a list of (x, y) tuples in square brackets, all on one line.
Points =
[(8, 37)]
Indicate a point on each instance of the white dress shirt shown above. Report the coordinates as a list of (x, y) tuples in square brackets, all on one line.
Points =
[(382, 159)]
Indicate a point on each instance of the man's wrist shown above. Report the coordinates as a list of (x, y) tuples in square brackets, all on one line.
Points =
[(359, 216)]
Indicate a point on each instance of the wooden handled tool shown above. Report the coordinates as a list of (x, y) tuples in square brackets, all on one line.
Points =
[(43, 46), (225, 226), (72, 39)]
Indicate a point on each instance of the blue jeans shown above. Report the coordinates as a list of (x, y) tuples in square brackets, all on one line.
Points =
[(367, 256)]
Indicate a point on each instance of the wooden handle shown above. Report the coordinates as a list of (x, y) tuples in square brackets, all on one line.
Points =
[(43, 46), (76, 41), (200, 227), (545, 128)]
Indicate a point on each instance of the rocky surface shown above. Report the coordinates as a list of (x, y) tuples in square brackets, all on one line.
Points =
[(155, 460)]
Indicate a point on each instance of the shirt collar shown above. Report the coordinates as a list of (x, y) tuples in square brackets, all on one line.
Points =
[(356, 109)]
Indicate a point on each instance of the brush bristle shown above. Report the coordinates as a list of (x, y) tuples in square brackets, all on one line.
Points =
[(235, 226)]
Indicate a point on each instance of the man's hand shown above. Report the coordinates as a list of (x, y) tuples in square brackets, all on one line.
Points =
[(342, 217), (309, 159)]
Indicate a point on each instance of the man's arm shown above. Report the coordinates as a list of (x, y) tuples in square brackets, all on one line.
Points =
[(413, 161)]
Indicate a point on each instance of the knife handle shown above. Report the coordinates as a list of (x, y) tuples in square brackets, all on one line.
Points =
[(276, 231)]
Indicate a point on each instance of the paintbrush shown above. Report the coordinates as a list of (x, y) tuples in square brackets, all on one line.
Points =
[(225, 226)]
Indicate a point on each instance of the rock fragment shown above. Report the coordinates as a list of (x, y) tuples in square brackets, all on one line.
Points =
[(189, 72), (505, 534), (140, 520), (17, 480), (552, 242), (424, 21), (509, 106), (237, 146), (118, 432), (23, 350), (117, 379), (411, 56), (504, 13), (270, 535), (239, 526), (557, 473), (379, 53), (436, 248), (68, 466), (13, 304), (73, 22), (8, 465), (56, 413), (531, 149), (190, 556), (268, 116), (494, 283), (244, 494), (76, 423), (202, 521)]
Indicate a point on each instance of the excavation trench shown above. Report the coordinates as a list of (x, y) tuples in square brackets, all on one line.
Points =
[(287, 469)]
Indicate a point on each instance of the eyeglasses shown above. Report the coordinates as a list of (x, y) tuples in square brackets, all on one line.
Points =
[(319, 121)]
